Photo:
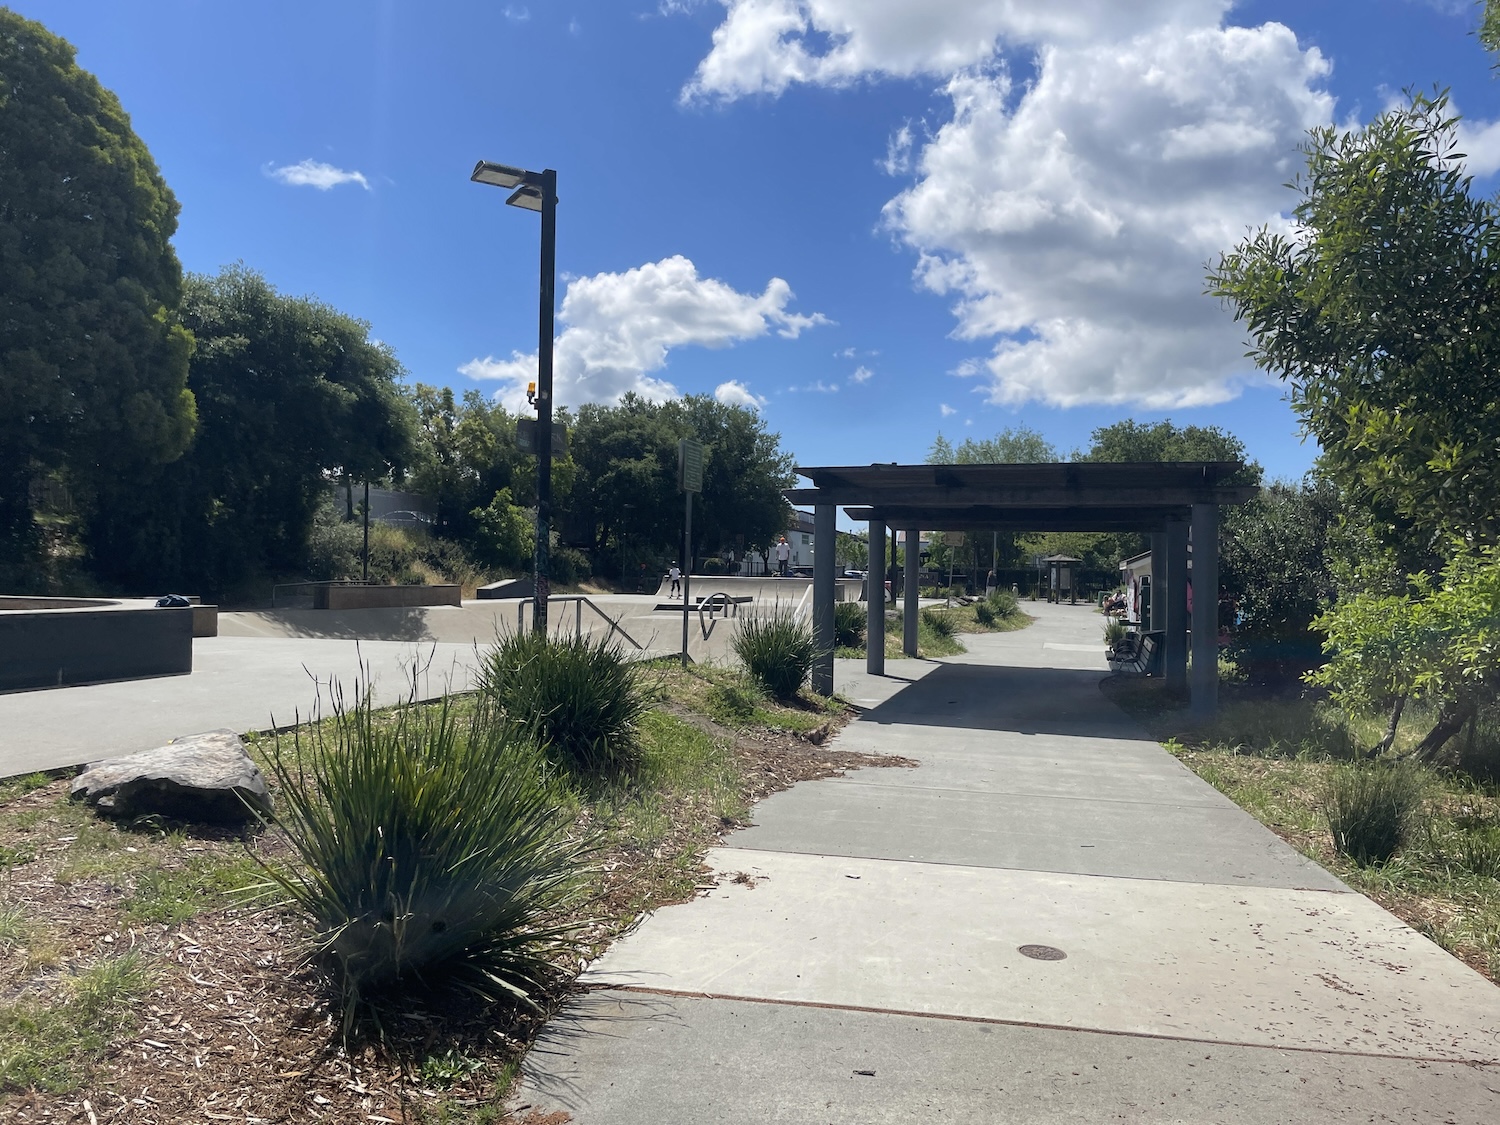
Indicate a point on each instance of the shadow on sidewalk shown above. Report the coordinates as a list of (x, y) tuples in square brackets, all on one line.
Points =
[(1044, 701)]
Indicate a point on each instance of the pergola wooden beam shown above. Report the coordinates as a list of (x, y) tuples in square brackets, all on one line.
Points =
[(1161, 498)]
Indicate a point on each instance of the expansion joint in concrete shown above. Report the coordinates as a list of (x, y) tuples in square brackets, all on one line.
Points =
[(678, 994)]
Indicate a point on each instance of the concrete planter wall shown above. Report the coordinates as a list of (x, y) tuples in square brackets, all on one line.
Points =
[(54, 642), (384, 597)]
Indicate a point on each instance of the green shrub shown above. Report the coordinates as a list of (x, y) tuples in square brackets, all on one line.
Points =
[(711, 566), (849, 621), (1003, 603), (1115, 631), (984, 614), (428, 843), (577, 696), (940, 623), (568, 566), (1372, 809), (777, 650)]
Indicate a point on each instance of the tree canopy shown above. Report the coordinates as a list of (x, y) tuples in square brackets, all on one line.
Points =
[(1013, 445), (626, 493), (95, 362), (1379, 315), (291, 394)]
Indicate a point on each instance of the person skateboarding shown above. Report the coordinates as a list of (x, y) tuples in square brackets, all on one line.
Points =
[(676, 576), (783, 557)]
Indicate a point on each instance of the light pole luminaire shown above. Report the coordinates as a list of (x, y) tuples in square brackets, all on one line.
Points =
[(537, 191)]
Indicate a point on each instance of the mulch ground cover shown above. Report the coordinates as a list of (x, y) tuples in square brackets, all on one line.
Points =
[(235, 1025)]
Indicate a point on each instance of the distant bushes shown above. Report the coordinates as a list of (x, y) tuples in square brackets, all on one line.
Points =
[(402, 555), (776, 649), (997, 607), (939, 623), (577, 697)]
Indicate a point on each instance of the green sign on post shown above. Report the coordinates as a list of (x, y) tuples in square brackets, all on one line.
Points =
[(690, 465)]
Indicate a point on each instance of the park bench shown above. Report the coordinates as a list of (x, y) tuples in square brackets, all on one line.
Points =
[(1138, 653)]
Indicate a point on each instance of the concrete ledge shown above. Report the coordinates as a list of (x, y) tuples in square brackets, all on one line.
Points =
[(55, 642), (506, 589), (384, 597), (205, 620)]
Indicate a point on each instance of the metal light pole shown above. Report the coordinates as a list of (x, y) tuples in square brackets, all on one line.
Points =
[(537, 191)]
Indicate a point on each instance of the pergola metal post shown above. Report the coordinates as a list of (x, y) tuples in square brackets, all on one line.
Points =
[(909, 601), (1174, 651), (824, 531), (1205, 673), (1157, 620), (875, 605)]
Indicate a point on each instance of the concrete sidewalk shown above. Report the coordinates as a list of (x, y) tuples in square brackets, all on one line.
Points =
[(868, 969)]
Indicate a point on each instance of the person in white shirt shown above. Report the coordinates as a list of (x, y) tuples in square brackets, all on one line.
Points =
[(783, 557), (676, 576)]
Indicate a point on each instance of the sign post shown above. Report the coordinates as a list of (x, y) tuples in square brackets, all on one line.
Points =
[(690, 480)]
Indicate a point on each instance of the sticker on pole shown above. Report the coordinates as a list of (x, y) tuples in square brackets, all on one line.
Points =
[(690, 465)]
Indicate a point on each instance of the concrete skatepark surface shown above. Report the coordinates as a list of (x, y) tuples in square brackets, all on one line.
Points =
[(867, 969), (265, 669)]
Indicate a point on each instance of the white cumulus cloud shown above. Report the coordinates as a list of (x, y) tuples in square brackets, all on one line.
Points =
[(314, 173), (861, 374), (735, 393), (1070, 218), (946, 410), (620, 328)]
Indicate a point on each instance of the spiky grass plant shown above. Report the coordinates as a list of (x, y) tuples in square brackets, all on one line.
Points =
[(940, 623), (429, 844), (776, 649), (1372, 808), (849, 622), (578, 697)]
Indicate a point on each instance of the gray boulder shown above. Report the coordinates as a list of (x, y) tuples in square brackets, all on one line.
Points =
[(199, 777)]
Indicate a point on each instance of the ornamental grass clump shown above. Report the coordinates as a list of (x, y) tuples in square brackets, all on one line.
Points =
[(429, 845), (776, 649), (940, 623), (578, 697), (1372, 809), (849, 622)]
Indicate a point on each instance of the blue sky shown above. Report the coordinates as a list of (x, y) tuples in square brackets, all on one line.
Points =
[(872, 219)]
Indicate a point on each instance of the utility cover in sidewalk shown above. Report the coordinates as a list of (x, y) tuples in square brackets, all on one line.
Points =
[(1042, 952)]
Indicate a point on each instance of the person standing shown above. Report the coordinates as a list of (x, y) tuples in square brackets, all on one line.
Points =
[(783, 557), (675, 574)]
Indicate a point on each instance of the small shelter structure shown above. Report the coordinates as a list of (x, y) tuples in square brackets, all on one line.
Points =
[(1061, 581), (1163, 499)]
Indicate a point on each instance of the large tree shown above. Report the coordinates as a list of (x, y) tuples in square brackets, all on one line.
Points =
[(626, 493), (292, 396), (1378, 312), (93, 362)]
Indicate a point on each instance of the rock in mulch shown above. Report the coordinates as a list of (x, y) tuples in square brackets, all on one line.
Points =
[(199, 777)]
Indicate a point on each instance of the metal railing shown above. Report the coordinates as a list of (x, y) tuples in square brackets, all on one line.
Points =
[(579, 601)]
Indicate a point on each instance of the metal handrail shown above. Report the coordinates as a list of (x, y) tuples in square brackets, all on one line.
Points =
[(579, 601), (712, 604)]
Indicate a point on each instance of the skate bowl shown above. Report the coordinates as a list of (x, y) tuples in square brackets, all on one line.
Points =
[(57, 642)]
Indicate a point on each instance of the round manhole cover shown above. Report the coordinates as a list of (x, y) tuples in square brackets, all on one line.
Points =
[(1042, 953)]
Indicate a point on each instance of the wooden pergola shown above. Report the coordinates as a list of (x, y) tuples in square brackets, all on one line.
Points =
[(1166, 500)]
